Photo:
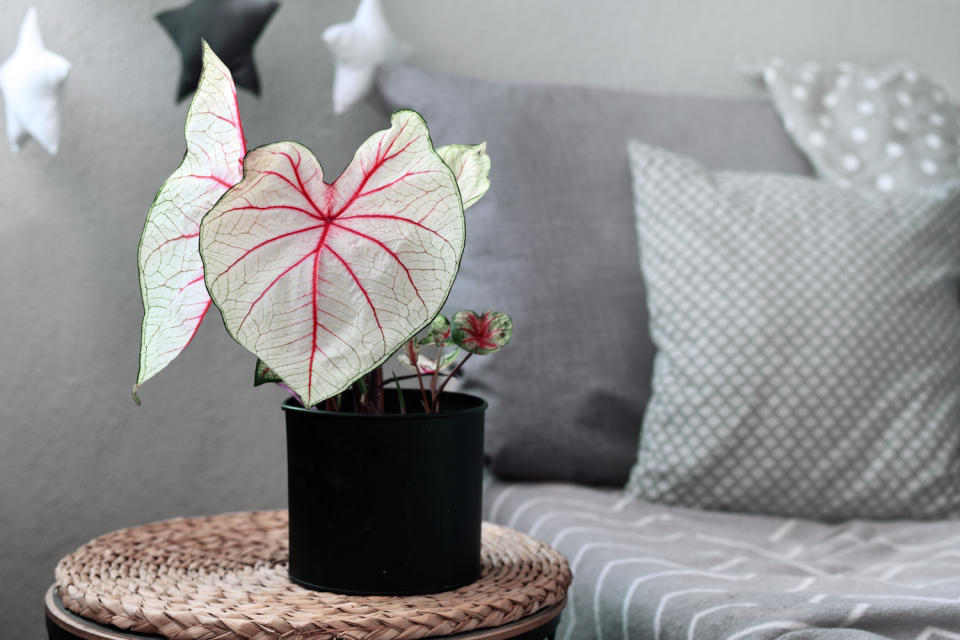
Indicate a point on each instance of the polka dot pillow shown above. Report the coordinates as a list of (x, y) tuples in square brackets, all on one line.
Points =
[(891, 129), (808, 344)]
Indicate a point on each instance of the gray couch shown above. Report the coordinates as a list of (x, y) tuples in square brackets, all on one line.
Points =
[(554, 245), (643, 570)]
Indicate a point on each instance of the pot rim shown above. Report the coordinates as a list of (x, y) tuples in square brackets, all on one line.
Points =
[(291, 404)]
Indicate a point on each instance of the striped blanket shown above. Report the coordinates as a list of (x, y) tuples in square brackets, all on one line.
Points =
[(666, 573)]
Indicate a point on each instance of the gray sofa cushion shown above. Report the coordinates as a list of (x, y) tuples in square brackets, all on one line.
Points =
[(553, 244), (809, 344), (889, 128), (643, 570)]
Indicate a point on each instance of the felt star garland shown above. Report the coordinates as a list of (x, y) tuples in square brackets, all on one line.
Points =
[(31, 81), (231, 27), (358, 48)]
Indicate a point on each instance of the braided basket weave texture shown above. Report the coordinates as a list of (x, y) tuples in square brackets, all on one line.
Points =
[(225, 578)]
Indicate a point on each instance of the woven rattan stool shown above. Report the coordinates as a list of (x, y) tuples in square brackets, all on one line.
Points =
[(224, 578)]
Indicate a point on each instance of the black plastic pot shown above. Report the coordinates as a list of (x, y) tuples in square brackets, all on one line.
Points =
[(386, 504)]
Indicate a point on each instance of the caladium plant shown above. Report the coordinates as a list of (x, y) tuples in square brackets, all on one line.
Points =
[(322, 281)]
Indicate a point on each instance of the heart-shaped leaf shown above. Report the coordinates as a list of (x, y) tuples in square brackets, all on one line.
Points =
[(324, 282), (175, 299), (471, 166), (481, 334)]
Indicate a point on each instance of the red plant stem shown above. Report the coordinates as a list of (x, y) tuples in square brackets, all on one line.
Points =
[(376, 389), (449, 376), (436, 374), (416, 365), (400, 401), (423, 393)]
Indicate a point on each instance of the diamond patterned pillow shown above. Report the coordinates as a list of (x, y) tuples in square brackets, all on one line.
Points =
[(808, 344)]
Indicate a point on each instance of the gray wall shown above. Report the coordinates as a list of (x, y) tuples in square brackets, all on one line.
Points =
[(77, 458)]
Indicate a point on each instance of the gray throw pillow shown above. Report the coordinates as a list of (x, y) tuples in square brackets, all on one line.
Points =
[(809, 344), (889, 128), (553, 244)]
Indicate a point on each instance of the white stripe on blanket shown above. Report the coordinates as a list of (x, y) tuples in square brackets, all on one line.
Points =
[(667, 573)]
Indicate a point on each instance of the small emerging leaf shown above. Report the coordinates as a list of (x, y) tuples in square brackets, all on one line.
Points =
[(428, 366), (471, 166), (440, 327), (439, 334), (481, 334), (264, 374), (422, 362), (175, 299), (447, 360)]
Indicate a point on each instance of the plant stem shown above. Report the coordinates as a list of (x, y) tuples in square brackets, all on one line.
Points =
[(360, 395), (423, 393), (403, 404), (407, 376), (433, 378), (415, 361), (376, 389), (449, 376)]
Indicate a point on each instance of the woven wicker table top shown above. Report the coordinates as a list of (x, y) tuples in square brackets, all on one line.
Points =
[(225, 578)]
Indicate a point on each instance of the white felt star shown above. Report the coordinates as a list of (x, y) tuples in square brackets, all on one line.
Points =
[(30, 80), (359, 47)]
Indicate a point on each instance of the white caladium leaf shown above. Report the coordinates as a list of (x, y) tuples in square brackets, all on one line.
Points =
[(175, 299), (471, 166), (324, 282)]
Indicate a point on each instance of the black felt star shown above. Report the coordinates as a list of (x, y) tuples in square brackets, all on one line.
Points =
[(231, 27)]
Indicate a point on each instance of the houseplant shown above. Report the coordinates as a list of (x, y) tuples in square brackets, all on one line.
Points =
[(323, 283)]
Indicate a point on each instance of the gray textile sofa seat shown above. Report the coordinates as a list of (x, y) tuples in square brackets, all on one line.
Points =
[(554, 244), (643, 570)]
